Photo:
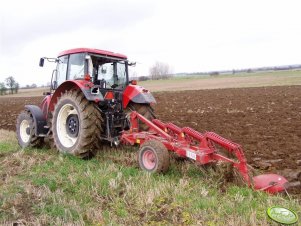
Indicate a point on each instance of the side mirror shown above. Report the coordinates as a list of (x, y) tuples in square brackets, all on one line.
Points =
[(41, 64), (132, 64)]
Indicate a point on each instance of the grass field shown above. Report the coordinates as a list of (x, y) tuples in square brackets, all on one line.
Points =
[(43, 187)]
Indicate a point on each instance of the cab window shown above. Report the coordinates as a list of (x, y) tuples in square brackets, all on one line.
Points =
[(114, 74), (76, 66), (61, 70)]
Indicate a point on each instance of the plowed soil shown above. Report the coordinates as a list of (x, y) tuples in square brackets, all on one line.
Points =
[(265, 121)]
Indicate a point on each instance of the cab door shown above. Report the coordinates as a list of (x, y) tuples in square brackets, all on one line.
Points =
[(61, 71)]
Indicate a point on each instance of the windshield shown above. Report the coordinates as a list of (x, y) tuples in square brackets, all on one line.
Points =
[(113, 73)]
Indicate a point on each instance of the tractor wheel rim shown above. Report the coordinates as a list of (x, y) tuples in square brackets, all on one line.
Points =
[(24, 131), (72, 125), (149, 159), (67, 136)]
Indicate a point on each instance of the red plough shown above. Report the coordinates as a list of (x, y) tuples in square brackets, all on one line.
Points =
[(186, 142)]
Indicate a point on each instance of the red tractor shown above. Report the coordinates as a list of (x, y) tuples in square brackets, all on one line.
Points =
[(92, 101), (89, 102)]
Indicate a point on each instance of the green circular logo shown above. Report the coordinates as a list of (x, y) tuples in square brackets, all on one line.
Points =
[(282, 215)]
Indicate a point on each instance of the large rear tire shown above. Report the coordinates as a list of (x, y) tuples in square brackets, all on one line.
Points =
[(144, 110), (26, 131), (76, 125)]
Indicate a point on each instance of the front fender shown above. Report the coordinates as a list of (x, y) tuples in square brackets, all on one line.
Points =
[(38, 119), (137, 94), (83, 85)]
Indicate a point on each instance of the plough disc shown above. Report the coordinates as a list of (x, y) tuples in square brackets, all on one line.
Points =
[(271, 183)]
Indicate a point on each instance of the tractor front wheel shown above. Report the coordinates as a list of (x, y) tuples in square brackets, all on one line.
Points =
[(153, 157), (76, 124), (26, 131)]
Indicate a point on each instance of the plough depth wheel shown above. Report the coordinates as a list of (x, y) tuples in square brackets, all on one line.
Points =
[(153, 156)]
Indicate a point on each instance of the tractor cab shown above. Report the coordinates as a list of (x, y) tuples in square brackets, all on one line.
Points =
[(105, 69)]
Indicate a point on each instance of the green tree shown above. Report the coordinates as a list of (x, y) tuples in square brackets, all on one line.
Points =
[(11, 83)]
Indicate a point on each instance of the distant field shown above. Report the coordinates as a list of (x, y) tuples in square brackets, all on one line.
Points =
[(28, 92), (242, 80), (260, 79)]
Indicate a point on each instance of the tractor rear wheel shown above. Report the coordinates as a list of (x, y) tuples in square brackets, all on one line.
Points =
[(143, 109), (153, 157), (26, 131), (76, 124)]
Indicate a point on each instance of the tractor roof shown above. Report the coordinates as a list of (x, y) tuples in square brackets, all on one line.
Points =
[(95, 51)]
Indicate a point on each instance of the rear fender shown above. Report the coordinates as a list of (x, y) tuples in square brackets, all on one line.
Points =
[(137, 94), (83, 85), (39, 120)]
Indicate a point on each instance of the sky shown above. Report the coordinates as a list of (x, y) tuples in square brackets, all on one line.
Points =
[(190, 36)]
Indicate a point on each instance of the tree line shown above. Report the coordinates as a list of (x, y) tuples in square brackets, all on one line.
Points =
[(9, 86), (160, 70)]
